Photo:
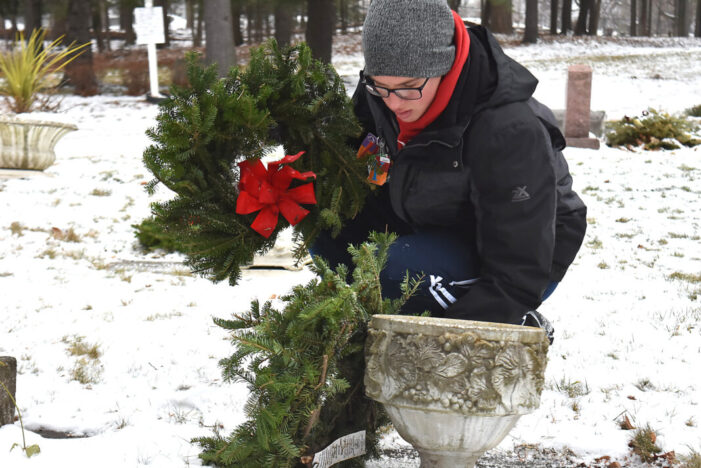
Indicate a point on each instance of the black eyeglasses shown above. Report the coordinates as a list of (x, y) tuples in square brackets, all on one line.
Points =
[(410, 94)]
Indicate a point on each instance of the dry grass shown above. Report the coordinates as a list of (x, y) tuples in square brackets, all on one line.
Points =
[(643, 443), (77, 347)]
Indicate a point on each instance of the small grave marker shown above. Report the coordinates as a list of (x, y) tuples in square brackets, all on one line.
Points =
[(577, 112)]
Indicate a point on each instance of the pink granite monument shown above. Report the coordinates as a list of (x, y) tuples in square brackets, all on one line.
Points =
[(577, 113)]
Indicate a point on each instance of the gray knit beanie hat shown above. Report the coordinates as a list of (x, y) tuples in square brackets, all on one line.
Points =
[(412, 38)]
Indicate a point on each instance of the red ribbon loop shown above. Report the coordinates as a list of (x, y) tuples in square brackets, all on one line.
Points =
[(268, 190)]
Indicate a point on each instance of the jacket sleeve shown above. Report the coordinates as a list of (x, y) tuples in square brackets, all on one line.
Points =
[(514, 194), (362, 112)]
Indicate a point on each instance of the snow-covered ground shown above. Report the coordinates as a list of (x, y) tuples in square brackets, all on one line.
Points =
[(627, 316)]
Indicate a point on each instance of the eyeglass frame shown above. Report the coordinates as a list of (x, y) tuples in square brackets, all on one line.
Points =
[(372, 88)]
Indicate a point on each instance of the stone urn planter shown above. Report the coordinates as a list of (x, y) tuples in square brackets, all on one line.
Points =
[(28, 144), (453, 388)]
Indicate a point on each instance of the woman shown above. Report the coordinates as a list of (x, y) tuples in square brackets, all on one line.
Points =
[(477, 187)]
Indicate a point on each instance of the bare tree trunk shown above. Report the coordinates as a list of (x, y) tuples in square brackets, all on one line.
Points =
[(104, 15), (57, 26), (197, 31), (585, 7), (248, 13), (190, 14), (97, 26), (485, 12), (219, 32), (80, 72), (266, 21), (343, 13), (633, 18), (682, 21), (500, 19), (553, 16), (531, 34), (283, 23), (320, 28), (594, 17), (236, 20), (697, 29), (126, 20), (258, 22), (566, 23), (454, 4), (32, 16), (642, 18)]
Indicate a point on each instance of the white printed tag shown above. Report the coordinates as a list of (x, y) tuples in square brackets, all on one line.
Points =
[(350, 446)]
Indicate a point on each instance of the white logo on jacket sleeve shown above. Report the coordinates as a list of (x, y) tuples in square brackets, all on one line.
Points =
[(519, 194)]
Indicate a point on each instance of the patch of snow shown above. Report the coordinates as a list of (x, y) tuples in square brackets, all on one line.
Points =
[(627, 323)]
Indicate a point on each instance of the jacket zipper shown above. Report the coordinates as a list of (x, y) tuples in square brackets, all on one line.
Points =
[(440, 142)]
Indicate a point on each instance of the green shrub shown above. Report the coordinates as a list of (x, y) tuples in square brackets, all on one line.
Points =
[(694, 111), (653, 130), (152, 236)]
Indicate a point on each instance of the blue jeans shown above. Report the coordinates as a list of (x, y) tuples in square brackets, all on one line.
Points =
[(446, 263)]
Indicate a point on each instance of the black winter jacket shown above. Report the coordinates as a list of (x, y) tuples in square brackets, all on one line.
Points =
[(491, 167)]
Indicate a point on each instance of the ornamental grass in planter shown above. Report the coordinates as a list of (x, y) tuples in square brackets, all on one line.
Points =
[(27, 67)]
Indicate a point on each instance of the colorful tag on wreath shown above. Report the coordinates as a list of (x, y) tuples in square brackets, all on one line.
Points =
[(379, 168)]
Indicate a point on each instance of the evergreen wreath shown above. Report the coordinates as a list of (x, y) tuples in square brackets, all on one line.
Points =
[(304, 365), (205, 131)]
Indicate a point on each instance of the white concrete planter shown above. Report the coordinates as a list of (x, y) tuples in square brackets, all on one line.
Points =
[(27, 144), (453, 388)]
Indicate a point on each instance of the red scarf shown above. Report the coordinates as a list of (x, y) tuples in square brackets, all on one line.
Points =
[(408, 130)]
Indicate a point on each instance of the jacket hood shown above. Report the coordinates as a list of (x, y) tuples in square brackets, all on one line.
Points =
[(513, 81)]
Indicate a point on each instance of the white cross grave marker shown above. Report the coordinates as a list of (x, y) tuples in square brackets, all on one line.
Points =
[(149, 29)]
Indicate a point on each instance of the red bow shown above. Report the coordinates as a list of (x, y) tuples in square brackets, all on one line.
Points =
[(268, 190)]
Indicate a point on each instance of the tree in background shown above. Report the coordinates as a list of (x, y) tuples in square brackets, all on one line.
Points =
[(697, 30), (32, 16), (633, 18), (553, 16), (682, 21), (100, 24), (321, 23), (530, 35), (566, 23), (9, 10), (219, 33), (126, 19), (284, 21), (497, 16), (80, 72), (588, 19), (646, 18)]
